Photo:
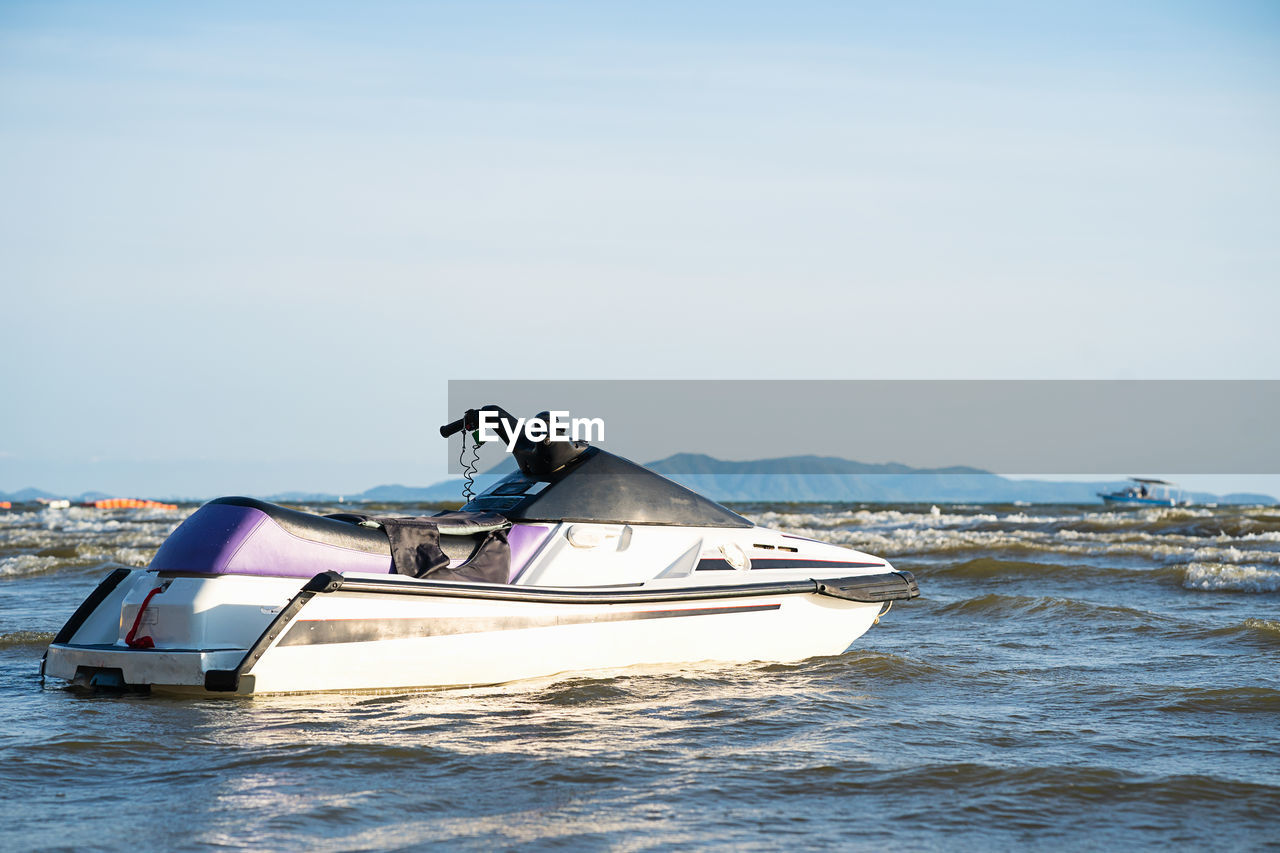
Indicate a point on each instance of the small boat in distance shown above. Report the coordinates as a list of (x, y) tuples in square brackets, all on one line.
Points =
[(1146, 492)]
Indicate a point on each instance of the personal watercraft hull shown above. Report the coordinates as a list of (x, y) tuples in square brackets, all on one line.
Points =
[(579, 560), (371, 633)]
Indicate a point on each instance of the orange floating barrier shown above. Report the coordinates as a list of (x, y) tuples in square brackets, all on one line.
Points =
[(6, 505), (131, 503)]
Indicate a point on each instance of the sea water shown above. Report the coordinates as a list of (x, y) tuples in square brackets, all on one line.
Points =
[(1071, 678)]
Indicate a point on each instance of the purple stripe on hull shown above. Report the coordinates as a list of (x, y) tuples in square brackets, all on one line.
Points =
[(525, 540)]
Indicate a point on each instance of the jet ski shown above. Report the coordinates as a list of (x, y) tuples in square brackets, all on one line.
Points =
[(578, 560)]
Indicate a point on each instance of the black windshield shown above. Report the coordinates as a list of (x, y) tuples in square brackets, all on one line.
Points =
[(604, 488)]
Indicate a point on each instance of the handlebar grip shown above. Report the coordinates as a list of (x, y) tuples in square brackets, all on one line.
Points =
[(453, 428)]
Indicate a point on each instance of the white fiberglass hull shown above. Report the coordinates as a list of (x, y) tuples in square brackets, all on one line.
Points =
[(351, 636), (492, 646)]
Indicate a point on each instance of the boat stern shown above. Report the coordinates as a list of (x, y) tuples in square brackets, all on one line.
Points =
[(140, 628), (114, 668)]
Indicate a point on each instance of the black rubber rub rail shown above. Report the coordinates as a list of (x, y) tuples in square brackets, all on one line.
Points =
[(85, 610), (892, 586), (90, 604), (228, 680), (889, 586)]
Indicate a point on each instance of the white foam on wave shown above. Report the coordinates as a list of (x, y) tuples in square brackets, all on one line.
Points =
[(130, 536), (1269, 536), (1223, 577), (133, 556), (94, 520), (77, 520), (891, 518), (920, 536), (910, 540), (25, 564)]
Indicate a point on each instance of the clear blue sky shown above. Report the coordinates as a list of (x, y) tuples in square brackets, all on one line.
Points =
[(244, 245)]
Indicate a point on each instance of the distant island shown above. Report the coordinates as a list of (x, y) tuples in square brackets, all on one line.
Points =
[(788, 479)]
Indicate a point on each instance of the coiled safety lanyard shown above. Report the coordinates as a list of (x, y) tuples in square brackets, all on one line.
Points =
[(469, 469)]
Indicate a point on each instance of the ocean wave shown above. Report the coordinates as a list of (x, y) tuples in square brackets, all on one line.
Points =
[(995, 568), (932, 540), (15, 518), (53, 544), (985, 568), (859, 663), (1233, 700), (1049, 789), (20, 566), (1020, 606), (1221, 577), (132, 556), (893, 518), (1194, 522), (910, 540), (884, 665), (89, 521), (10, 639), (1268, 628), (27, 564), (1163, 535)]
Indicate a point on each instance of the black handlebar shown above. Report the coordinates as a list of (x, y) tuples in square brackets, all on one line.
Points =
[(535, 458), (470, 421)]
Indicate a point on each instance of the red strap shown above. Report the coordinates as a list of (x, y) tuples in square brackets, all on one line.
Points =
[(131, 639)]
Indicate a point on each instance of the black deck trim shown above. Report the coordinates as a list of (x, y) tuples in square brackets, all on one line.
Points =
[(894, 586), (82, 613), (719, 565), (568, 595), (228, 680), (902, 582), (90, 604)]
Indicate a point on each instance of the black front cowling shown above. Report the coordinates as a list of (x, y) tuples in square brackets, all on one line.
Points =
[(599, 486)]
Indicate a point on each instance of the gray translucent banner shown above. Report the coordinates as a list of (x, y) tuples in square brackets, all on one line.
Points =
[(1002, 426)]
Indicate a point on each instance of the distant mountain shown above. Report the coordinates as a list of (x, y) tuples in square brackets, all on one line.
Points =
[(819, 478), (810, 478), (701, 464), (443, 491), (446, 490), (28, 494), (791, 478), (1237, 498), (825, 478)]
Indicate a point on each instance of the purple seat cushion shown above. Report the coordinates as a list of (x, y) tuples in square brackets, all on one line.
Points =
[(230, 539), (220, 539)]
